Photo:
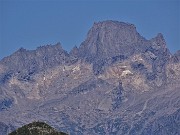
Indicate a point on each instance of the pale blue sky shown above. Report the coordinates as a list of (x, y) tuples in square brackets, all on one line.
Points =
[(31, 23)]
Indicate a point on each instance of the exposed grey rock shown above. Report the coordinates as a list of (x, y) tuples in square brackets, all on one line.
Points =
[(117, 96), (74, 52), (109, 38), (79, 93), (176, 57), (26, 62)]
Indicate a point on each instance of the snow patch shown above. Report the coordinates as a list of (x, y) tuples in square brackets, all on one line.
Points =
[(126, 72)]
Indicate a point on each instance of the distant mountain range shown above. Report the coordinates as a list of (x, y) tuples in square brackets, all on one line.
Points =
[(116, 83)]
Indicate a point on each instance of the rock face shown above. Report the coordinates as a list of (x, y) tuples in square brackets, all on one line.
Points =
[(116, 82), (109, 38)]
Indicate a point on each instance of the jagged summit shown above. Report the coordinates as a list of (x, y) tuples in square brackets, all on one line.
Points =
[(43, 48), (43, 56), (74, 52), (111, 38), (56, 46), (110, 22), (107, 30), (177, 53), (160, 41), (21, 50)]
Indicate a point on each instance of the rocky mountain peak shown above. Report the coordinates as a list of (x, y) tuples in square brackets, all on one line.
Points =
[(159, 47), (57, 46), (74, 51), (28, 60), (176, 57), (160, 41), (111, 25), (114, 32), (177, 53), (20, 50), (109, 38)]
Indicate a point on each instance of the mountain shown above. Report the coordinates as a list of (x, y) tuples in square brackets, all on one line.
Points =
[(109, 38), (117, 82), (36, 128)]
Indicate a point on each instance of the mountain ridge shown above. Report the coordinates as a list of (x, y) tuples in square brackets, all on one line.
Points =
[(116, 82), (97, 24)]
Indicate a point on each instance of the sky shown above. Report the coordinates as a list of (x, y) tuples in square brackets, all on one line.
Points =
[(33, 23)]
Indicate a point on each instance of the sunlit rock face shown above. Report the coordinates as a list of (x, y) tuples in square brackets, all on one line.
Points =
[(109, 38), (116, 82)]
